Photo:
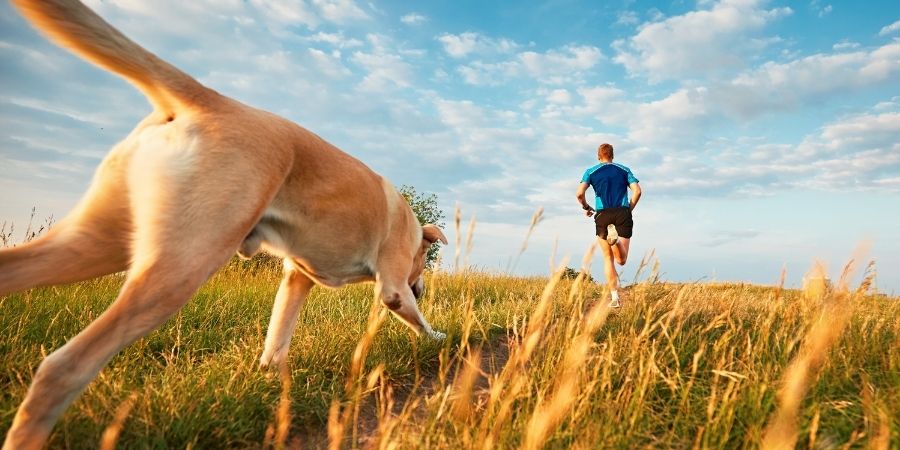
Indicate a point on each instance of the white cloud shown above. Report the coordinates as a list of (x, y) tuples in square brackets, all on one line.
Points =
[(559, 96), (675, 118), (287, 12), (859, 152), (554, 66), (336, 39), (819, 9), (329, 65), (385, 69), (627, 18), (340, 11), (685, 115), (889, 105), (413, 19), (596, 98), (461, 45), (461, 113), (276, 12), (865, 132), (845, 45), (779, 86), (888, 29), (41, 61), (480, 73), (698, 42)]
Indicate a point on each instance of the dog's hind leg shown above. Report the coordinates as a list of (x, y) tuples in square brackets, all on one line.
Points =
[(93, 240), (64, 255), (291, 296), (153, 291), (180, 238), (164, 275)]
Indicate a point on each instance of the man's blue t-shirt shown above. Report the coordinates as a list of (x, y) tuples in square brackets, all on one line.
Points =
[(610, 182)]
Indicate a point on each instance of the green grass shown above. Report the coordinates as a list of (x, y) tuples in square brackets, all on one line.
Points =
[(680, 366)]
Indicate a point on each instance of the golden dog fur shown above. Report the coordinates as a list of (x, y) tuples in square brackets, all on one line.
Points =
[(202, 176)]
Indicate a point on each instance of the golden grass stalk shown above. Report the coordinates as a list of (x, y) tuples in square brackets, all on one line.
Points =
[(468, 322), (583, 273), (502, 401), (513, 378), (815, 283), (112, 431), (470, 234), (868, 279), (781, 431), (548, 414), (339, 417), (337, 423), (457, 218), (377, 316), (780, 286), (464, 385), (643, 264), (535, 220), (878, 425), (387, 423), (814, 429), (283, 414), (536, 320)]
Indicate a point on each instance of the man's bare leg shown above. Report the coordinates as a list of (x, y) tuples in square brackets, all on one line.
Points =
[(612, 277), (620, 250)]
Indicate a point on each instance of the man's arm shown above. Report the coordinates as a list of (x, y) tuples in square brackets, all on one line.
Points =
[(635, 193), (582, 188)]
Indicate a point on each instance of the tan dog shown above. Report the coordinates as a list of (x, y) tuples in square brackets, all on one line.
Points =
[(200, 177)]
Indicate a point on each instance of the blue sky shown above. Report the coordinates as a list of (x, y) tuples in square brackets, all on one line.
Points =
[(765, 133)]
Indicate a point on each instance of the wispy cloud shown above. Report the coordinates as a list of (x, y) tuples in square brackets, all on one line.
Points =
[(413, 19), (698, 42), (462, 45), (889, 29), (554, 66), (820, 9)]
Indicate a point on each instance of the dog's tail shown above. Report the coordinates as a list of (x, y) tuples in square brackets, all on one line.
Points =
[(74, 26)]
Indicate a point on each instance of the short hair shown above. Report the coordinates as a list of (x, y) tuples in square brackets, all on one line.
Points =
[(605, 151)]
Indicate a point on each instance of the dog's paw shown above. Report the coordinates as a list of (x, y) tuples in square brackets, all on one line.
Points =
[(264, 367), (270, 361), (437, 335)]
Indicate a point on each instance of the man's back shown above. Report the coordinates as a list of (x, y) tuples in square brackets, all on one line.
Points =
[(610, 183)]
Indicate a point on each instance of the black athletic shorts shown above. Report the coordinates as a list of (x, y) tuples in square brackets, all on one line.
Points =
[(620, 217)]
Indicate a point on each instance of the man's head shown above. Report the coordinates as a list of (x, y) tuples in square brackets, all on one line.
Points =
[(605, 152)]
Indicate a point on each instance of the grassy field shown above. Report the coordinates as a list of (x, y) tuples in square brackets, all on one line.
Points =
[(529, 362)]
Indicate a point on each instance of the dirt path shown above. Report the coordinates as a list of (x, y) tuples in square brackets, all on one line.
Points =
[(494, 355)]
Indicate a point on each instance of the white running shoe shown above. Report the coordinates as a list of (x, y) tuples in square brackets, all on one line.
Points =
[(614, 304), (612, 236)]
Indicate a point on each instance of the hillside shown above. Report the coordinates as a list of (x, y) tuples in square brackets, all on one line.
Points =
[(529, 362)]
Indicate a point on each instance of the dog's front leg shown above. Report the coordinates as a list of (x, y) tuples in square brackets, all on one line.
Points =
[(285, 312), (398, 297)]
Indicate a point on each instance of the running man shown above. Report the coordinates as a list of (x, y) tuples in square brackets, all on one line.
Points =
[(613, 207)]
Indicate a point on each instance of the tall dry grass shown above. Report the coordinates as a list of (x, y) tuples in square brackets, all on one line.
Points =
[(528, 363)]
